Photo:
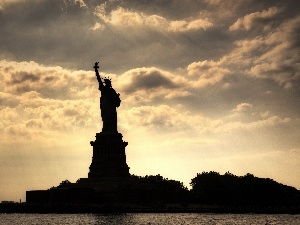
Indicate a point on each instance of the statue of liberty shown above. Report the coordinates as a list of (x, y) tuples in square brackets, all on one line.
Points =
[(109, 101)]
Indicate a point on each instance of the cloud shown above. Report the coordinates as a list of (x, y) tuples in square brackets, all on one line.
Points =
[(183, 26), (7, 99), (44, 32), (51, 82), (148, 94), (5, 3), (35, 123), (177, 119), (23, 78), (266, 123), (253, 19), (148, 85), (148, 78), (121, 17), (53, 98), (17, 131), (8, 116), (279, 62), (270, 55), (39, 102), (159, 117), (59, 115), (207, 72), (242, 107)]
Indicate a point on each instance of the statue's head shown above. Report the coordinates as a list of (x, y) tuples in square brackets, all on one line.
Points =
[(107, 82)]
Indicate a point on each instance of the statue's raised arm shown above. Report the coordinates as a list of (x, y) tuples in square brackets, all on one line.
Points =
[(98, 75)]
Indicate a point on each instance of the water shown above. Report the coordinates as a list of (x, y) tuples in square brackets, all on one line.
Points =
[(148, 219)]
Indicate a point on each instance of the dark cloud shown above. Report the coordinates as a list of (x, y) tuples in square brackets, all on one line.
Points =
[(152, 80), (61, 32), (171, 9), (143, 79), (70, 112), (45, 31), (23, 77), (49, 82), (50, 78)]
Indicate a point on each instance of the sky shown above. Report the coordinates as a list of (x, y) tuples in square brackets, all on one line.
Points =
[(206, 85)]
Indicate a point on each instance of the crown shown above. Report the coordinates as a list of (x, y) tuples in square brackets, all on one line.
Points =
[(107, 78)]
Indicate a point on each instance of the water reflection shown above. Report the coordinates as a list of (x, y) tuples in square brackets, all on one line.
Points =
[(194, 218), (148, 219), (121, 218)]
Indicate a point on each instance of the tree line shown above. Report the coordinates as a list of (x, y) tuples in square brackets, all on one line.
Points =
[(248, 190), (210, 188)]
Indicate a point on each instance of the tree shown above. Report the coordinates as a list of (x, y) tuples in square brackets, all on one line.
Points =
[(248, 190)]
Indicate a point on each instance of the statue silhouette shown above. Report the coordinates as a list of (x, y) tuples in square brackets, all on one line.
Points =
[(109, 101)]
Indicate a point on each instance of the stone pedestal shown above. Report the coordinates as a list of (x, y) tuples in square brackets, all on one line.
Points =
[(109, 158)]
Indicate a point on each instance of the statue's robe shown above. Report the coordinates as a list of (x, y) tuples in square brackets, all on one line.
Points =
[(109, 101)]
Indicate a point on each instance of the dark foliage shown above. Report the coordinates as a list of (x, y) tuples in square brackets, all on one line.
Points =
[(208, 188), (64, 184), (248, 190), (163, 190)]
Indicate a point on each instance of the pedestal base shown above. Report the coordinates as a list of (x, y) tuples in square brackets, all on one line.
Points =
[(109, 158)]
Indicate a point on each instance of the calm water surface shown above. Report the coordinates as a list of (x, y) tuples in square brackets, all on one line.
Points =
[(147, 219)]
